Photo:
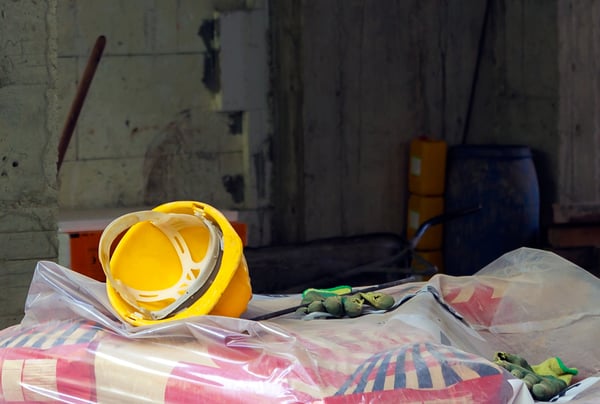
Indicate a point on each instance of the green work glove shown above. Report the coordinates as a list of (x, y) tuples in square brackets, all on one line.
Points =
[(542, 387), (337, 301), (555, 367), (316, 300)]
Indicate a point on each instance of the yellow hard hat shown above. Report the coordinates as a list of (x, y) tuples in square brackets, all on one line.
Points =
[(178, 260)]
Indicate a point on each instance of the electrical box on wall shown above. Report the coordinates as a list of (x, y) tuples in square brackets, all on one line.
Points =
[(236, 59)]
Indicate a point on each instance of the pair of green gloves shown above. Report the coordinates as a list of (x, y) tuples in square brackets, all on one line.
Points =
[(544, 381), (340, 301)]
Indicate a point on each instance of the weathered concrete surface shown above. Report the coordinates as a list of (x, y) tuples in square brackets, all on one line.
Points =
[(28, 145), (357, 80), (516, 100), (579, 100), (150, 131), (354, 81)]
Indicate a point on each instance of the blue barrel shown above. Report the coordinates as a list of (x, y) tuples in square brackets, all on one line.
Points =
[(503, 181)]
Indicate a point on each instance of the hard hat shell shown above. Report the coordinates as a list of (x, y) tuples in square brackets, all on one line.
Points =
[(180, 259)]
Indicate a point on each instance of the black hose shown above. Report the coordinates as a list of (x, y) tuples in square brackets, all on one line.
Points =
[(482, 36)]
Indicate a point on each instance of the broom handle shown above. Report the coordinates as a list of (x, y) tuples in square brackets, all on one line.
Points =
[(77, 104)]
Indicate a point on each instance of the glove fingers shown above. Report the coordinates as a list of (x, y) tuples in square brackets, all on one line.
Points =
[(334, 305), (378, 300), (353, 305), (315, 301), (316, 305)]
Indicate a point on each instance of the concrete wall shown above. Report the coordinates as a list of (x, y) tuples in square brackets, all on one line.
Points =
[(578, 102), (516, 99), (358, 80), (150, 130), (28, 142), (354, 81)]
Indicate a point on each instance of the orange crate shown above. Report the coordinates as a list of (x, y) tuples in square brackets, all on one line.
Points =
[(242, 230), (84, 254)]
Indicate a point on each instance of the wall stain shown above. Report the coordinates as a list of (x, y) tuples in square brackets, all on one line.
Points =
[(261, 174), (234, 185), (136, 130), (173, 169)]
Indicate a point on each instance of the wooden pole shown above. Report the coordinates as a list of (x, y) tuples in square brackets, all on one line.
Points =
[(77, 104)]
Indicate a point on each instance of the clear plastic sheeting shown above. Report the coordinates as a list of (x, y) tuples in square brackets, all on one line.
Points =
[(437, 344)]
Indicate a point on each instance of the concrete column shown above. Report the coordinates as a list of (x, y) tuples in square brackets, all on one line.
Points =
[(28, 147)]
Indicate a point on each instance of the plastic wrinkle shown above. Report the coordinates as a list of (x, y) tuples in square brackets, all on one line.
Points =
[(435, 345)]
